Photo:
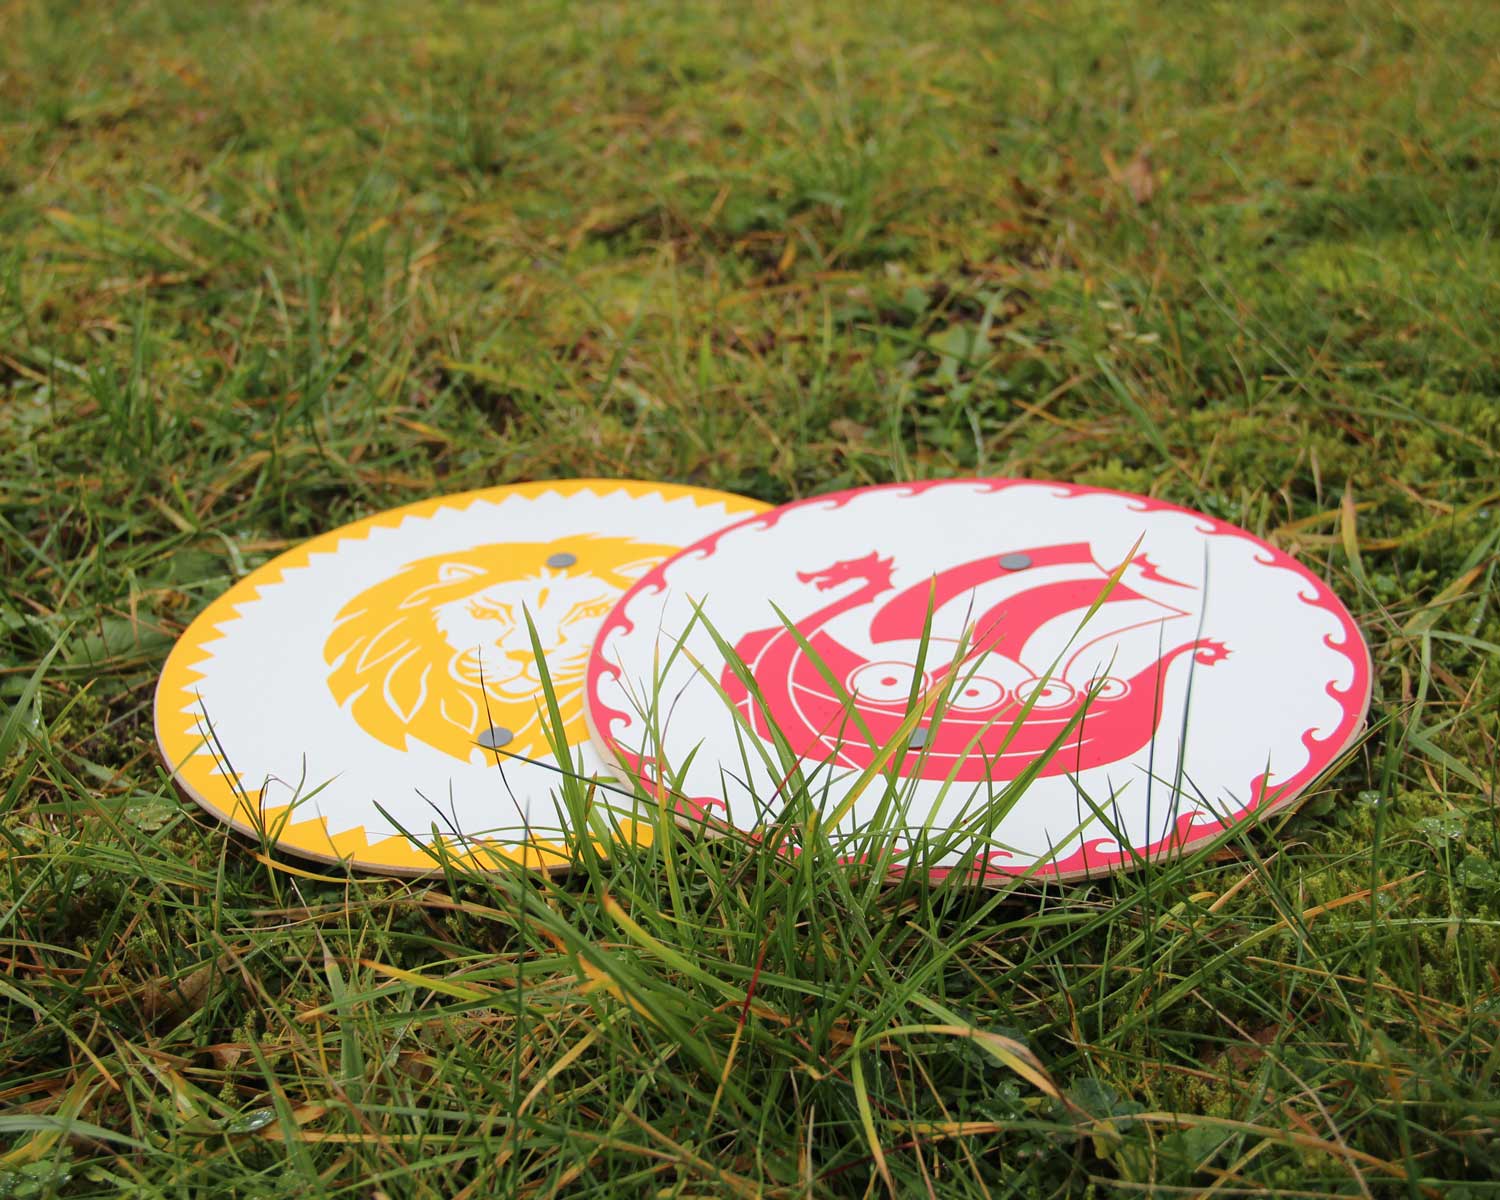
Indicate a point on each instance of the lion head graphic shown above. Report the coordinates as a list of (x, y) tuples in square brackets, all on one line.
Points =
[(440, 651)]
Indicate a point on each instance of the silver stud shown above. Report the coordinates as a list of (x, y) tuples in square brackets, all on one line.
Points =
[(494, 737), (918, 738), (1015, 562), (562, 560)]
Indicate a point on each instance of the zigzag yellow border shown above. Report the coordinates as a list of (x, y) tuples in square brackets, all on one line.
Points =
[(183, 742)]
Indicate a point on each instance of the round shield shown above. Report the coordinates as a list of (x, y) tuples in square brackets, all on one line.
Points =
[(374, 695), (1004, 676)]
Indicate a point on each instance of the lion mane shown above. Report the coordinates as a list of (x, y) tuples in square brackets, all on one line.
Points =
[(399, 675)]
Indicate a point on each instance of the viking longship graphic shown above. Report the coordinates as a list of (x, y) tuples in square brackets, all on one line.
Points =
[(999, 666)]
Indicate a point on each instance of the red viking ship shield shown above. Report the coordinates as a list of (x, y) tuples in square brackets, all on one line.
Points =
[(964, 633)]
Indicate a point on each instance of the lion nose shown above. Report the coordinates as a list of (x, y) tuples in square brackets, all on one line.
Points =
[(550, 653)]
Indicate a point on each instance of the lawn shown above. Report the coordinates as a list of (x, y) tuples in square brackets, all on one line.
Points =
[(266, 268)]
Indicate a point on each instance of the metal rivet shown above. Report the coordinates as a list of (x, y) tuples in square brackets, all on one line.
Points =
[(494, 737), (562, 560), (1015, 562), (918, 739)]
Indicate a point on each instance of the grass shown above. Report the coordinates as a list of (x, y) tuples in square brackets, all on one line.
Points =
[(267, 268)]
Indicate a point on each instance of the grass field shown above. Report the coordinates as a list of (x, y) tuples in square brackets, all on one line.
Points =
[(266, 268)]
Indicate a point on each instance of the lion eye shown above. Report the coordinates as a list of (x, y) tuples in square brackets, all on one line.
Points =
[(595, 611), (491, 612)]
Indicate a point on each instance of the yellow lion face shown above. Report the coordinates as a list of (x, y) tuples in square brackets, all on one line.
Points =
[(440, 651)]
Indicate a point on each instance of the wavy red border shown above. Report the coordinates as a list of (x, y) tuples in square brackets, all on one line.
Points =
[(1095, 856)]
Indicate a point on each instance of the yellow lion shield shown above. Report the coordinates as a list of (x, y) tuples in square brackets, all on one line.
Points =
[(440, 651)]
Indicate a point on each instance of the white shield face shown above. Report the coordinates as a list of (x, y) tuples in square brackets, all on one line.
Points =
[(1149, 675), (381, 680)]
